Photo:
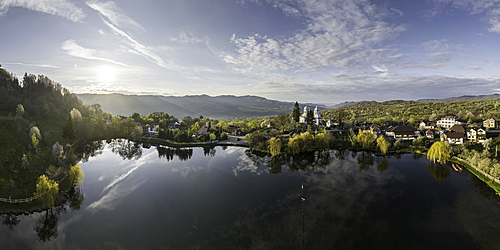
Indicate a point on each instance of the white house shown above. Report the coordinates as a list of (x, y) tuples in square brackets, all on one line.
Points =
[(448, 121)]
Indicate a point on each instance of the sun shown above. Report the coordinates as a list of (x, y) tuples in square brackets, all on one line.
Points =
[(106, 74)]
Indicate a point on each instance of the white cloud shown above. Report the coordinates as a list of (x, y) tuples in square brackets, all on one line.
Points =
[(187, 38), (76, 50), (489, 8), (382, 70), (495, 25), (114, 14), (61, 8), (341, 34)]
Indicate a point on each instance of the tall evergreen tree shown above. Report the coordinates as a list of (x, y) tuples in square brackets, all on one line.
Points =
[(69, 128), (310, 117), (296, 112)]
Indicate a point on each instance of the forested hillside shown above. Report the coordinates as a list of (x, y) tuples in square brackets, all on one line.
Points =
[(413, 112)]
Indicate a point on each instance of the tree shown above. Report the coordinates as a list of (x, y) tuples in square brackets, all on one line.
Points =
[(365, 139), (47, 190), (382, 144), (76, 115), (69, 128), (19, 110), (439, 151), (34, 141), (274, 146), (76, 175), (137, 132), (296, 112), (213, 137), (282, 120), (309, 117), (34, 130), (341, 115)]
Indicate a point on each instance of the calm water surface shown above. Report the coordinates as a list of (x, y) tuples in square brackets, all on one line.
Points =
[(228, 198)]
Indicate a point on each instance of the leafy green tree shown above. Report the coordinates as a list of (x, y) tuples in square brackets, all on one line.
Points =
[(47, 190), (296, 112), (274, 146), (341, 115), (76, 115), (34, 141), (69, 128), (19, 110), (213, 137), (439, 151), (282, 120), (382, 144), (365, 139)]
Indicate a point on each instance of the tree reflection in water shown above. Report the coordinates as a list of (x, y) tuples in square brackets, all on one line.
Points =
[(209, 151), (84, 151), (439, 171), (169, 153), (10, 220), (382, 164), (365, 160), (47, 225), (126, 149)]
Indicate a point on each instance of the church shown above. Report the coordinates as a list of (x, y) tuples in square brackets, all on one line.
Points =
[(316, 118)]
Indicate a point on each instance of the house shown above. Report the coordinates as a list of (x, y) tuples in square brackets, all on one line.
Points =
[(203, 130), (455, 137), (331, 123), (429, 134), (402, 132), (476, 135), (233, 129), (426, 125), (448, 121), (371, 128), (173, 125), (316, 116), (490, 123)]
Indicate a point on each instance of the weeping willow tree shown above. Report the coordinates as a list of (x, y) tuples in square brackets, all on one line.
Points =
[(274, 146), (76, 175), (439, 151), (382, 144), (47, 189)]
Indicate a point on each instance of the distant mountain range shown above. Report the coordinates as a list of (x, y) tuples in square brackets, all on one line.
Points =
[(464, 98), (214, 107)]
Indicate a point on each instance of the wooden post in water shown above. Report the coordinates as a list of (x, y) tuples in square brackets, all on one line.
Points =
[(303, 226)]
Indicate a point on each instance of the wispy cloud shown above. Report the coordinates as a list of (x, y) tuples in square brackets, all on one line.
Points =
[(114, 14), (76, 50), (34, 65), (341, 34), (139, 48), (490, 9), (61, 8), (187, 38)]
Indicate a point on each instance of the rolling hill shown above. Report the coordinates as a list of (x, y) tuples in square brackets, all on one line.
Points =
[(215, 107)]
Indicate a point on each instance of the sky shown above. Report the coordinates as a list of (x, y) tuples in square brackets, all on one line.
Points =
[(321, 51)]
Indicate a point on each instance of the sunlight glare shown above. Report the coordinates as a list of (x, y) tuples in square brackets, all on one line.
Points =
[(106, 74)]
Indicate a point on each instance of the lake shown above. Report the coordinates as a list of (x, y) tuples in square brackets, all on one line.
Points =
[(156, 197)]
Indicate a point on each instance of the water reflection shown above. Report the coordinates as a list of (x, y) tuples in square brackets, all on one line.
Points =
[(126, 149), (232, 198), (169, 153), (439, 171)]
